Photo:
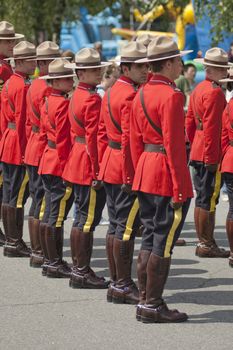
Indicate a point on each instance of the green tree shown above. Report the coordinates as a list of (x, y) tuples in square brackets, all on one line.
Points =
[(220, 15)]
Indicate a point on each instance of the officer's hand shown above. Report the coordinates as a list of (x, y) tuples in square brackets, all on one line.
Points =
[(212, 168), (176, 205), (126, 188), (96, 184)]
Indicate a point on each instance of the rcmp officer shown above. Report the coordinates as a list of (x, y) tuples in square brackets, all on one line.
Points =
[(12, 148), (82, 167), (227, 161), (38, 91), (203, 127), (162, 179), (58, 195), (8, 39), (116, 170)]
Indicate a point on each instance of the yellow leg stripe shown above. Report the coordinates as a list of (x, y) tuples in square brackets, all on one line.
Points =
[(1, 180), (216, 191), (19, 203), (91, 211), (62, 207), (42, 209), (130, 221), (170, 238)]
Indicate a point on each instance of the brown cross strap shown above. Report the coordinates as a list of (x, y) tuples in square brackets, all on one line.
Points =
[(36, 113), (53, 126), (115, 123), (9, 101), (78, 121), (154, 126)]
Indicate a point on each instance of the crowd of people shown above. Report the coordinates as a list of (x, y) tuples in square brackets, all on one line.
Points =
[(116, 138)]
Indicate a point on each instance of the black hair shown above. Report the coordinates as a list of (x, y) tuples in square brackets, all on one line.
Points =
[(188, 65), (126, 64)]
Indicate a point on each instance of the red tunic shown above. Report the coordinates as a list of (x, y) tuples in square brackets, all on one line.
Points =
[(116, 164), (227, 136), (13, 110), (158, 173), (55, 123), (207, 103), (37, 139), (5, 74), (82, 166)]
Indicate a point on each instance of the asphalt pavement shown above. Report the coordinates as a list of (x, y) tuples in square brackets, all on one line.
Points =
[(42, 313)]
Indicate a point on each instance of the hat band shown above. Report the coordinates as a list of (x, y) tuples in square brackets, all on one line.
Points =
[(7, 35), (48, 55), (29, 54), (215, 62), (131, 59), (165, 54), (61, 73), (88, 64)]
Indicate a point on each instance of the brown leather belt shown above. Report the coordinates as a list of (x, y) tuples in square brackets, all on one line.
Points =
[(35, 129), (11, 125), (80, 139), (51, 144), (149, 147), (114, 144), (231, 143)]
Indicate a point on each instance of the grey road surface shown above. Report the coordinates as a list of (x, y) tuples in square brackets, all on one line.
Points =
[(40, 313)]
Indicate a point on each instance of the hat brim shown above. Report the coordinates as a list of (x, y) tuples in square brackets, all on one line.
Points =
[(226, 80), (48, 58), (202, 61), (32, 58), (119, 61), (74, 65), (48, 77), (17, 36), (147, 60)]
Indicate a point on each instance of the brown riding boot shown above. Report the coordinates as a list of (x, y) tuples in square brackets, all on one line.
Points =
[(3, 212), (229, 228), (143, 258), (57, 267), (73, 237), (42, 235), (36, 259), (196, 221), (15, 246), (111, 264), (155, 310), (125, 290), (82, 275), (207, 247)]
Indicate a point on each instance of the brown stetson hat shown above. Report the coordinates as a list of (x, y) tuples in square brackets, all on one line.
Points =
[(7, 32), (22, 51), (58, 70), (87, 58), (131, 52), (215, 57), (162, 48)]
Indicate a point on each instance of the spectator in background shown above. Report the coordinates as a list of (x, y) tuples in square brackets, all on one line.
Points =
[(190, 71), (183, 84), (110, 76)]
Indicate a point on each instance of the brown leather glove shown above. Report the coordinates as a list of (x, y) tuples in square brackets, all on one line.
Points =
[(212, 168), (176, 205), (126, 188), (96, 185)]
